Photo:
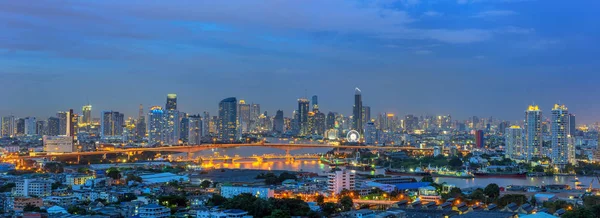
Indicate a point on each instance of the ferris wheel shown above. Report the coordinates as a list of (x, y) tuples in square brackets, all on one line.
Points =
[(353, 136)]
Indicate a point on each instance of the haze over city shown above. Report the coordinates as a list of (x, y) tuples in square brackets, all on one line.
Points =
[(464, 58)]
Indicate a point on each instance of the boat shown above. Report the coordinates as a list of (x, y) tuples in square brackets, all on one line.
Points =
[(486, 174), (453, 174), (416, 172)]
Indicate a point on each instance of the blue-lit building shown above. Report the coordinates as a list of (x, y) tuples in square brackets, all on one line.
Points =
[(228, 120), (156, 123)]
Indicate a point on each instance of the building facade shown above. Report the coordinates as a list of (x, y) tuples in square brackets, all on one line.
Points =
[(339, 180), (560, 135), (533, 132), (513, 139), (156, 122), (259, 192), (357, 115), (58, 144), (228, 125)]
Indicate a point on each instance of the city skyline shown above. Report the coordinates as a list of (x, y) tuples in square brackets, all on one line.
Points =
[(486, 58)]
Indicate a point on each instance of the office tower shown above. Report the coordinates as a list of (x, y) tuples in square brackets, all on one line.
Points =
[(184, 128), (171, 102), (111, 124), (41, 127), (303, 116), (140, 127), (20, 126), (315, 102), (254, 116), (62, 122), (560, 132), (330, 123), (503, 126), (156, 122), (278, 122), (513, 140), (474, 122), (311, 123), (8, 126), (205, 124), (572, 125), (366, 114), (195, 129), (357, 111), (244, 116), (319, 123), (214, 125), (370, 133), (30, 126), (53, 126), (70, 125), (533, 132), (479, 143), (171, 129), (411, 123), (129, 130), (228, 120), (339, 180), (87, 115)]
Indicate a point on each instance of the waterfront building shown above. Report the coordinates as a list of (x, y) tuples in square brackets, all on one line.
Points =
[(228, 125), (429, 194), (339, 180), (258, 191), (254, 116), (33, 187), (437, 150), (513, 138), (58, 144), (533, 132), (479, 139), (8, 126), (156, 122), (195, 129), (244, 116), (53, 126), (111, 124), (357, 115), (302, 118), (153, 211), (278, 122), (560, 135)]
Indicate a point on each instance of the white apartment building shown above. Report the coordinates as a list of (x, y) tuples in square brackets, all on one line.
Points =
[(339, 180), (33, 187), (259, 192)]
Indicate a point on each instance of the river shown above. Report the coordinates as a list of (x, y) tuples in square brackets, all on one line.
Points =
[(315, 167)]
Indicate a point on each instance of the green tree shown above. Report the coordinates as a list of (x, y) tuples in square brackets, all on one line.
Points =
[(427, 179), (132, 177), (329, 209), (579, 213), (173, 200), (538, 169), (217, 200), (54, 167), (590, 201), (346, 203), (113, 173), (455, 163), (205, 184), (478, 195), (492, 190), (455, 193), (7, 187), (320, 200), (56, 185), (279, 214), (519, 199)]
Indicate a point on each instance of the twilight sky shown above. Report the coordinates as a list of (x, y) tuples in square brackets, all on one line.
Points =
[(458, 57)]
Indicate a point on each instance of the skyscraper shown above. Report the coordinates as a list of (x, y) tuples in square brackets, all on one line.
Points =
[(560, 133), (30, 126), (53, 126), (70, 127), (514, 143), (111, 124), (366, 114), (62, 122), (41, 127), (330, 123), (171, 102), (479, 143), (278, 122), (8, 126), (303, 116), (228, 120), (357, 117), (156, 122), (184, 127), (533, 132), (254, 116), (315, 103), (87, 114), (195, 129), (206, 124), (244, 116), (572, 125), (370, 133), (140, 127), (20, 127)]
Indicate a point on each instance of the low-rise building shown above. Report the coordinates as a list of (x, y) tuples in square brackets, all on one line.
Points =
[(33, 187), (153, 211), (258, 191), (78, 179), (19, 203)]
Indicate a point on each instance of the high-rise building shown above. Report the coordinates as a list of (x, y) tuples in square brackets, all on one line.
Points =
[(244, 116), (156, 123), (195, 129), (513, 140), (339, 180), (41, 127), (278, 122), (572, 125), (228, 120), (87, 115), (184, 128), (330, 123), (71, 120), (319, 123), (140, 127), (560, 133), (171, 102), (53, 126), (8, 126), (171, 129), (62, 122), (533, 132), (30, 126), (20, 126), (479, 139), (370, 133), (315, 102), (303, 116), (254, 116), (206, 124), (111, 124), (357, 111), (366, 114), (58, 144)]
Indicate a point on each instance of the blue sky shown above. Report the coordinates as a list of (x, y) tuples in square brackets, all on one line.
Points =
[(459, 57)]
